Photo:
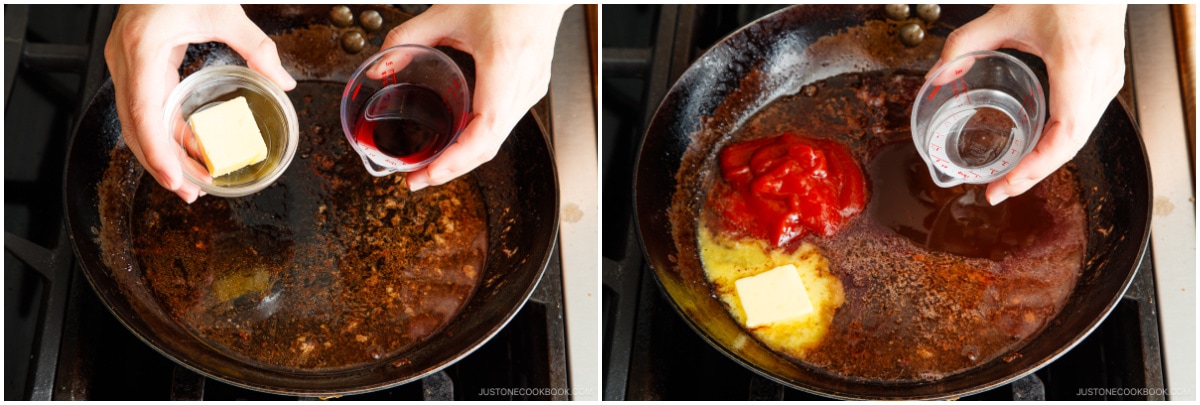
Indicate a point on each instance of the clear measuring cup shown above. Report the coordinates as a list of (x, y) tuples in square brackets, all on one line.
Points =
[(403, 107), (976, 117)]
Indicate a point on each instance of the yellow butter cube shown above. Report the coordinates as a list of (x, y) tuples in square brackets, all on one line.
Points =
[(228, 137), (773, 296)]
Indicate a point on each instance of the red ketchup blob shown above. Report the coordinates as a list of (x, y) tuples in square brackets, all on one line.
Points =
[(785, 187)]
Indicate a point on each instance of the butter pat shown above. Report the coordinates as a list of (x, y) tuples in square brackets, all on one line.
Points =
[(774, 296), (228, 137)]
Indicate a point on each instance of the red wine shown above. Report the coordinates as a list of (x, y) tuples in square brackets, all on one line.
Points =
[(407, 122)]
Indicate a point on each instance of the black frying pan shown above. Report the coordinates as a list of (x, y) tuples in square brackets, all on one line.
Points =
[(774, 56), (519, 187)]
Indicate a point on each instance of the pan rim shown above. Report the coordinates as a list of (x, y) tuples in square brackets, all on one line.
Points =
[(642, 219), (298, 379)]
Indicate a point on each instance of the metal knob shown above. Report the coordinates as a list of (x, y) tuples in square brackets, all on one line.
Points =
[(341, 16), (897, 12), (370, 20), (353, 41), (929, 12), (911, 34)]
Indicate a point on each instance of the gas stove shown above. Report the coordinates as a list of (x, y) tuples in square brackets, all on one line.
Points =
[(650, 353), (61, 341)]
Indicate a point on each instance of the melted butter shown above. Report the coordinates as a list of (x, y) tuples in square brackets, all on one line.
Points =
[(726, 260)]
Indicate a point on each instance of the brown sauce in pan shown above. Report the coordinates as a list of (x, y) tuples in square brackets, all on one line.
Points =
[(935, 280), (328, 268)]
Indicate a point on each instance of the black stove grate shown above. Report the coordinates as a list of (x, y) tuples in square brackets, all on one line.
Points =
[(62, 343), (650, 353)]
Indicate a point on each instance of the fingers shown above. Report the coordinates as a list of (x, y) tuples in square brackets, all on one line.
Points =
[(260, 52), (1085, 72), (143, 52), (139, 105), (429, 29), (477, 145), (1058, 145), (994, 30), (512, 47), (1071, 118), (389, 65)]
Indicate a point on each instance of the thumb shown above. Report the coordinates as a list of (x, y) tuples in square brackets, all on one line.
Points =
[(989, 32), (256, 47), (420, 30)]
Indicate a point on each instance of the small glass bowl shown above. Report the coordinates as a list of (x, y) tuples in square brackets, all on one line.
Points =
[(273, 111)]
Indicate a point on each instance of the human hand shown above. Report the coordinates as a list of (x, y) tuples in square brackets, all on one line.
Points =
[(144, 50), (513, 46), (1083, 47)]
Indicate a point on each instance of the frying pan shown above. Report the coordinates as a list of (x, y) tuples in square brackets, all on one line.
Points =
[(774, 56), (519, 187)]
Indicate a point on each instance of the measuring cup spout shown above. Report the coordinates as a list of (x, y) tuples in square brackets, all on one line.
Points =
[(377, 170), (943, 180)]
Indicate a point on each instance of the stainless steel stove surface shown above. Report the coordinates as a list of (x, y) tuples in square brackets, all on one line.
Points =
[(62, 343), (650, 353)]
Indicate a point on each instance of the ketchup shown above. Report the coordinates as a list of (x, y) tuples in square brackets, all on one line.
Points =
[(785, 187)]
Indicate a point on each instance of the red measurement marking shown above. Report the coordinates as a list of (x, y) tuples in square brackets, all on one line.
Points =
[(938, 159), (959, 86), (964, 89), (936, 148), (963, 174), (1014, 151), (934, 92), (389, 76), (994, 171), (1003, 163), (976, 174), (958, 72), (356, 89)]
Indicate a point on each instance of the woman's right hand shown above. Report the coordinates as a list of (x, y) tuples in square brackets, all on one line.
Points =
[(1084, 50)]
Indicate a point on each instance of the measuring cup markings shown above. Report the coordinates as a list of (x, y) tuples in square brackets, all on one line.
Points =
[(405, 120), (389, 78), (1029, 103), (938, 144), (960, 91), (451, 94), (940, 131)]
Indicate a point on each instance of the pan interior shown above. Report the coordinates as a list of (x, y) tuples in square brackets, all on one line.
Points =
[(329, 268), (935, 281)]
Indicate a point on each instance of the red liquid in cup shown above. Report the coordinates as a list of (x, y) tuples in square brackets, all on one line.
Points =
[(417, 125)]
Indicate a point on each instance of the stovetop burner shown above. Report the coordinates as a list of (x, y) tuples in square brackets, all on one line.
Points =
[(61, 341), (649, 351)]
